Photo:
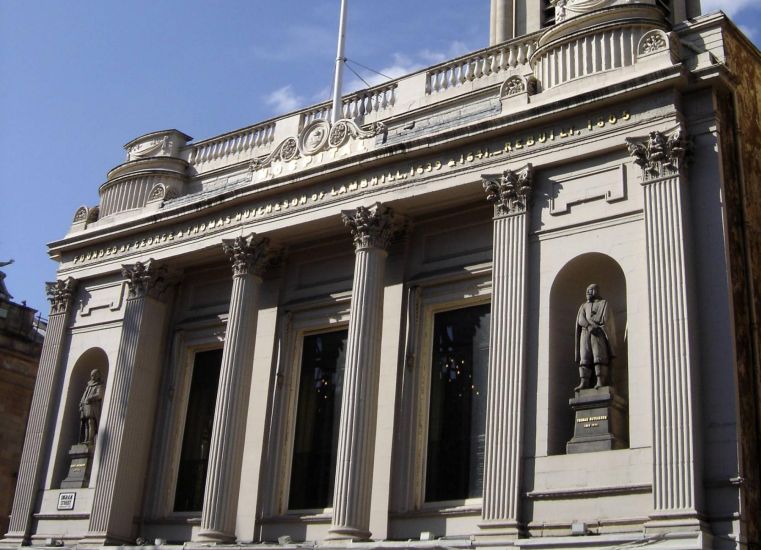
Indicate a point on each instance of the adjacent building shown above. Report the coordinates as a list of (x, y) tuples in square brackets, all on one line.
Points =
[(510, 300), (21, 334)]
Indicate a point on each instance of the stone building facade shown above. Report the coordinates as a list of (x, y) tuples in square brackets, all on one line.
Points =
[(381, 328), (21, 337)]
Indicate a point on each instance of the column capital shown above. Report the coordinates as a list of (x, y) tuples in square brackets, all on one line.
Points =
[(147, 279), (249, 255), (660, 154), (371, 227), (510, 191), (61, 295)]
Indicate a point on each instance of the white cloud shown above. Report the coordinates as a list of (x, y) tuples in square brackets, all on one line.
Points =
[(284, 100), (730, 7)]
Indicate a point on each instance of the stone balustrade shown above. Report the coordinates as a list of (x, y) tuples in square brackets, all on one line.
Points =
[(232, 146), (513, 55), (356, 105)]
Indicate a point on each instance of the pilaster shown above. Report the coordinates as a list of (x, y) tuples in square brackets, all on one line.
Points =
[(250, 256), (510, 193), (372, 229), (61, 295), (676, 476), (124, 438)]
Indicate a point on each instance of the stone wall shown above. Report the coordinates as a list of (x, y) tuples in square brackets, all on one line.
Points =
[(20, 347), (741, 141)]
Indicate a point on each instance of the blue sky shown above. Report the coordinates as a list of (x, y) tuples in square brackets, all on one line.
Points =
[(81, 78)]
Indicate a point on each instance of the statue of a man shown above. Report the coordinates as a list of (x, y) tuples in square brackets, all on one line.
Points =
[(595, 339), (89, 408)]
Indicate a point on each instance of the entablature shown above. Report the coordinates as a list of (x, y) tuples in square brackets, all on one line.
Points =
[(291, 208)]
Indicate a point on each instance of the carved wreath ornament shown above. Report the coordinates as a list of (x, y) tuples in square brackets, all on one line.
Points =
[(316, 137)]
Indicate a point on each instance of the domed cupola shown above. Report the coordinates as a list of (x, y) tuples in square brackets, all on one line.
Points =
[(591, 37)]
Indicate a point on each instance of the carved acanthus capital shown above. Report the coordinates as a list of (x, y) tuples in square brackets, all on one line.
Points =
[(147, 279), (660, 154), (249, 255), (510, 192), (371, 227), (61, 295)]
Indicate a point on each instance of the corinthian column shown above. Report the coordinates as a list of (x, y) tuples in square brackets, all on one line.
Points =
[(675, 482), (250, 256), (510, 193), (124, 437), (372, 230), (61, 296)]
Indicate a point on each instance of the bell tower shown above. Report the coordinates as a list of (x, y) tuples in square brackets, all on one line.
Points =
[(513, 18)]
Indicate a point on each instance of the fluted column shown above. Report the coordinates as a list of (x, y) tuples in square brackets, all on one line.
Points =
[(250, 256), (372, 229), (676, 479), (510, 193), (61, 296), (501, 20), (124, 437)]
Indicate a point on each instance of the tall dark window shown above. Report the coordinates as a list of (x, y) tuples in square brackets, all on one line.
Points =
[(457, 417), (317, 418), (548, 13), (194, 460)]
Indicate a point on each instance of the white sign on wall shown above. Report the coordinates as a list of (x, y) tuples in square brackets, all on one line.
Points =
[(66, 501)]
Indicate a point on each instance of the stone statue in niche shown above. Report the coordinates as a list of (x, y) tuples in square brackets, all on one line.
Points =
[(599, 413), (595, 339), (81, 453), (89, 409)]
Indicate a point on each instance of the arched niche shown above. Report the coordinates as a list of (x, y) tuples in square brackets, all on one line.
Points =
[(92, 359), (567, 294)]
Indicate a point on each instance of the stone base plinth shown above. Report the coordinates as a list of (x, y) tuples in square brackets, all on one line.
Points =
[(599, 421), (80, 462)]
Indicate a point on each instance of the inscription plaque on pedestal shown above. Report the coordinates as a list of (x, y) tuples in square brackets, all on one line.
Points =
[(80, 457), (599, 421)]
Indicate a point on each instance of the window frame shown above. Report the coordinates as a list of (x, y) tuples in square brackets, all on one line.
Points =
[(296, 324), (426, 298), (170, 426)]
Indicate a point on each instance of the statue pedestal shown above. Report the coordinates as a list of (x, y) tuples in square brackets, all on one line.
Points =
[(599, 423), (80, 456)]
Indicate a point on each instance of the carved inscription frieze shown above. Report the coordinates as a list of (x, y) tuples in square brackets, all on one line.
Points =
[(399, 174)]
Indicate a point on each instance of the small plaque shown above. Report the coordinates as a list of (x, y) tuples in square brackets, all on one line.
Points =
[(66, 501)]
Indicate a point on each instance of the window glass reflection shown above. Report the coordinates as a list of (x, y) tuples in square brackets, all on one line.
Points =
[(457, 415), (317, 419), (194, 459)]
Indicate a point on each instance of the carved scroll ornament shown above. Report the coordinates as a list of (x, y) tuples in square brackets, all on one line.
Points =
[(510, 192), (318, 136)]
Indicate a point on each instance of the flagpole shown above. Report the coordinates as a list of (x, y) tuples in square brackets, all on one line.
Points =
[(337, 113)]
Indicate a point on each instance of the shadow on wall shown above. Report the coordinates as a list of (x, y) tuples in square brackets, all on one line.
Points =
[(567, 294), (92, 359)]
